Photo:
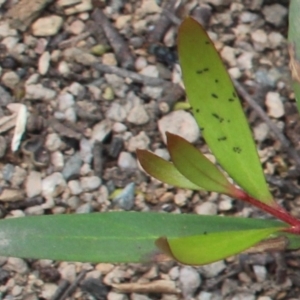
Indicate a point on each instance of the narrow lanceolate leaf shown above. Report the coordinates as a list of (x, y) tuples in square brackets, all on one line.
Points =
[(210, 247), (193, 165), (294, 47), (163, 170), (218, 111), (108, 237)]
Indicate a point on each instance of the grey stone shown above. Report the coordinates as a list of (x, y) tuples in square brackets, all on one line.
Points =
[(181, 123), (101, 130), (72, 167), (125, 199), (261, 131), (163, 153), (90, 183), (17, 265), (86, 150), (33, 184), (189, 280), (75, 187), (36, 210), (8, 171), (53, 185), (65, 100), (84, 209), (116, 112), (274, 105), (126, 161), (138, 115), (3, 146), (140, 141), (260, 273), (213, 269), (47, 26), (38, 92), (275, 14)]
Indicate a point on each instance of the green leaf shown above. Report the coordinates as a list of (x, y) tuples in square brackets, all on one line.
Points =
[(163, 170), (193, 165), (218, 111), (207, 248), (108, 237), (294, 47)]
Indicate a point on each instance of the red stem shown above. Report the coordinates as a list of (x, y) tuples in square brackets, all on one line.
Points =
[(275, 210)]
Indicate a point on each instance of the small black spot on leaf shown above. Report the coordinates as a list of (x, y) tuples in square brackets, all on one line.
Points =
[(222, 138), (216, 80), (237, 149), (214, 96), (220, 119), (230, 99), (207, 42), (234, 94), (197, 110), (205, 232), (201, 128)]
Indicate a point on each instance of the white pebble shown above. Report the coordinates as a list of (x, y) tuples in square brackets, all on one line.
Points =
[(274, 105), (90, 183), (206, 208), (44, 63)]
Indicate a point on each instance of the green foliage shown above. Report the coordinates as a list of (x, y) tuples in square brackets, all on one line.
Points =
[(218, 111), (108, 237), (294, 47)]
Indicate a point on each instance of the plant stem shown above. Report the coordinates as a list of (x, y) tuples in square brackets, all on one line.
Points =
[(275, 210)]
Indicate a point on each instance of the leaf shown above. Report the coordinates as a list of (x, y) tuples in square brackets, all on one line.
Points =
[(163, 170), (192, 164), (108, 237), (208, 248), (294, 47), (218, 111)]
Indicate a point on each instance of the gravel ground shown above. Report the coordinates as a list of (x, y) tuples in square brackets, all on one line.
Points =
[(100, 80)]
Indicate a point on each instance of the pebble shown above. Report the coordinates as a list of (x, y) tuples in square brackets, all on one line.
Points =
[(135, 296), (116, 112), (275, 39), (91, 183), (274, 105), (11, 195), (80, 56), (76, 27), (138, 115), (275, 14), (33, 185), (44, 63), (101, 130), (53, 142), (84, 209), (264, 298), (108, 94), (126, 161), (86, 151), (48, 290), (228, 54), (244, 61), (38, 92), (57, 160), (75, 187), (205, 296), (10, 79), (65, 101), (119, 127), (76, 89), (212, 270), (125, 199), (225, 204), (260, 273), (116, 296), (180, 198), (63, 68), (206, 208), (163, 153), (248, 17), (68, 271), (140, 63), (3, 146), (109, 59), (72, 167), (243, 296), (150, 71), (259, 39), (84, 5), (181, 123), (153, 92), (17, 265), (47, 26), (261, 132), (53, 185), (8, 171), (140, 141), (189, 280), (10, 42), (36, 210)]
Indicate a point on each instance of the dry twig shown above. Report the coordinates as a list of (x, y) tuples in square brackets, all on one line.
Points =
[(121, 49)]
